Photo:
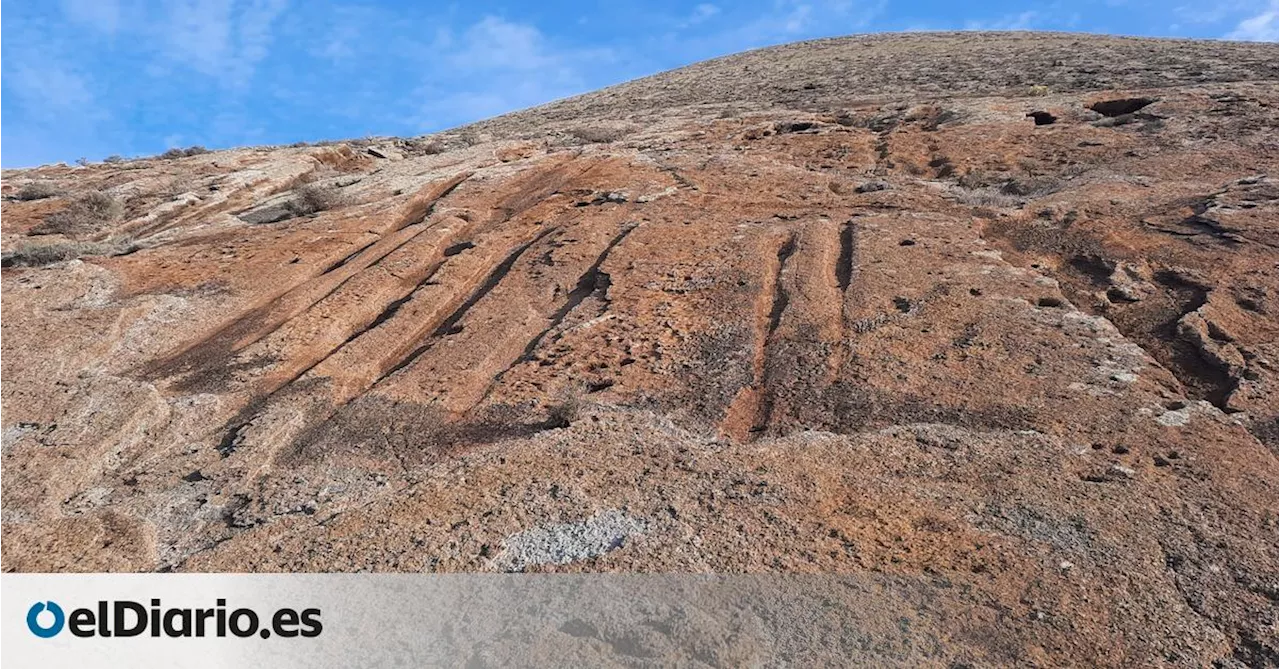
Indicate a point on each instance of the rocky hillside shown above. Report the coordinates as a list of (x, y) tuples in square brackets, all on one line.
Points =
[(996, 313)]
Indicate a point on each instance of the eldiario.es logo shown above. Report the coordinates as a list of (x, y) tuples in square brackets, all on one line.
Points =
[(124, 618)]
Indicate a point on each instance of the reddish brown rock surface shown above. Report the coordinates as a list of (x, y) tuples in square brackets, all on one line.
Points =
[(842, 306)]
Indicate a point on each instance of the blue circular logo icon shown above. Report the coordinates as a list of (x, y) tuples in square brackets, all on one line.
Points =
[(33, 619)]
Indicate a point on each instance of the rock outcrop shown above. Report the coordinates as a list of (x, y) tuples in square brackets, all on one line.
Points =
[(997, 310)]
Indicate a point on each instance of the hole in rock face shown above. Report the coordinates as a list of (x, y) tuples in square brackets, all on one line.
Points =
[(458, 248), (1117, 296), (902, 304), (1042, 117), (907, 242), (1249, 304), (794, 126), (1049, 302), (1121, 106)]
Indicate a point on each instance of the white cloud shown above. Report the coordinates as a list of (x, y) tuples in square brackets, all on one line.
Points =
[(102, 15), (342, 42), (1264, 27), (222, 39), (496, 66), (779, 22), (1216, 12), (1022, 21), (798, 19), (42, 72), (496, 44), (701, 13), (54, 106), (50, 85), (705, 11)]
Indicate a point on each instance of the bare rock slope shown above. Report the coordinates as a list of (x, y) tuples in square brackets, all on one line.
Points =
[(995, 312)]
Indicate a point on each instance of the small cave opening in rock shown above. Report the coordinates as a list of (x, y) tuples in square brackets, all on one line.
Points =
[(1121, 106), (794, 126), (1042, 117)]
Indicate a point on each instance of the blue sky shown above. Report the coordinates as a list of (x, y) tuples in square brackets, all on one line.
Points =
[(91, 78)]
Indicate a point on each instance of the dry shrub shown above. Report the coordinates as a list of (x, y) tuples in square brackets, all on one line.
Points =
[(183, 153), (27, 254), (597, 134), (313, 198), (566, 406), (179, 185), (342, 159), (36, 190), (1032, 186), (90, 212), (987, 197)]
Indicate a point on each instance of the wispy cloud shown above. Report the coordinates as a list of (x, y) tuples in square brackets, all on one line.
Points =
[(742, 26), (496, 44), (221, 39), (1206, 13), (101, 15), (1021, 21), (1262, 27), (700, 14), (52, 103), (51, 85), (495, 65), (95, 77), (788, 18)]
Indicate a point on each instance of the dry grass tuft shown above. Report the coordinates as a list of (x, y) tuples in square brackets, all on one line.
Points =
[(90, 212), (597, 134), (28, 254), (313, 198), (986, 197), (184, 153), (432, 147), (36, 190), (566, 406)]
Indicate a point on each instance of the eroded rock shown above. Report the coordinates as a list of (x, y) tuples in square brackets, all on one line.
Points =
[(883, 324)]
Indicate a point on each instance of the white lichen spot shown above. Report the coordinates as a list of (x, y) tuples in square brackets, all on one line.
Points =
[(1123, 470), (650, 197), (568, 542), (1174, 418), (13, 433), (1093, 324)]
